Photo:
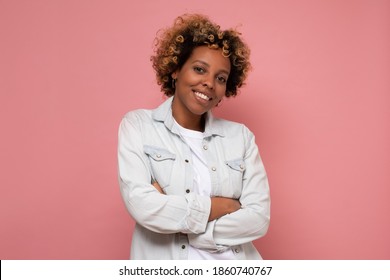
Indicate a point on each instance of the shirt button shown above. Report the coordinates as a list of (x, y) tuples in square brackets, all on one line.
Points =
[(158, 156), (237, 251), (205, 147), (187, 160), (187, 191), (241, 166), (183, 246), (214, 168)]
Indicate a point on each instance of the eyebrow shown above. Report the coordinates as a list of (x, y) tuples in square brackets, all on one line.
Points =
[(206, 64)]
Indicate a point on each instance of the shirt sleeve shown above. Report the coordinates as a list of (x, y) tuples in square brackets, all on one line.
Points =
[(155, 211), (252, 220)]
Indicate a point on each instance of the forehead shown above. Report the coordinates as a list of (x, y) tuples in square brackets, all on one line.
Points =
[(212, 57)]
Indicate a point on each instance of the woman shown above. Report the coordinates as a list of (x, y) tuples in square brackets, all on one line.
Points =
[(194, 184)]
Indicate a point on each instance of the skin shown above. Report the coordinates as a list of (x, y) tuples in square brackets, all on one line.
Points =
[(206, 71)]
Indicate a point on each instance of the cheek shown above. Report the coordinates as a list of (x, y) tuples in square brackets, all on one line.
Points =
[(189, 78), (221, 91)]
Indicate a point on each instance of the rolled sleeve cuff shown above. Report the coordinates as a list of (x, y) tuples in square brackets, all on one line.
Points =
[(205, 241), (198, 213)]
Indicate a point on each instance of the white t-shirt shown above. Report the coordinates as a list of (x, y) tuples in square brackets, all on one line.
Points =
[(202, 186)]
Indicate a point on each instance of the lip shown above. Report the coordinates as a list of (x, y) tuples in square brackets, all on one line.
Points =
[(204, 93)]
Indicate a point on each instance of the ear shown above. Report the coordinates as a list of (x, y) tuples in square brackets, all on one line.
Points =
[(174, 75)]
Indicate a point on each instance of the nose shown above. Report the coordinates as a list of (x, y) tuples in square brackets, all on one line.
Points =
[(208, 82)]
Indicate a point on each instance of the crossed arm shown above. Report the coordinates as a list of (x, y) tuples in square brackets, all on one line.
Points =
[(220, 206)]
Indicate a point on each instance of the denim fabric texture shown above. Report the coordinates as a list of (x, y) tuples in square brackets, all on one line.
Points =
[(151, 149)]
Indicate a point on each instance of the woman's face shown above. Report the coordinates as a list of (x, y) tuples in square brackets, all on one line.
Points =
[(200, 83)]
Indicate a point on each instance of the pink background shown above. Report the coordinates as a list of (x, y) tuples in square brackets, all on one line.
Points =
[(318, 101)]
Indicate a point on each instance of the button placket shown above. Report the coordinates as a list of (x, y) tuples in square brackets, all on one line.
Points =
[(208, 149), (182, 244), (188, 169)]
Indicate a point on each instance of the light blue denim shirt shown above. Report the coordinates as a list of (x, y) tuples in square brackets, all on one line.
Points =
[(151, 149)]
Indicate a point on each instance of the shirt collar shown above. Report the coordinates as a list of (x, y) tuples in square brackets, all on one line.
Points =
[(163, 113)]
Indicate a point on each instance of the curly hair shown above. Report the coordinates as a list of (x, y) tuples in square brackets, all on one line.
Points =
[(174, 45)]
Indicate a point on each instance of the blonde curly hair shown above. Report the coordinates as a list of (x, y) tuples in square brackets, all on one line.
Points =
[(174, 45)]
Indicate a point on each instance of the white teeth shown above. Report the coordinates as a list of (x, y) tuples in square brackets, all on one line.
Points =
[(201, 95)]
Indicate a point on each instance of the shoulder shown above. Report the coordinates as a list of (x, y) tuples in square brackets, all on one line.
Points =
[(137, 116), (231, 128), (135, 120)]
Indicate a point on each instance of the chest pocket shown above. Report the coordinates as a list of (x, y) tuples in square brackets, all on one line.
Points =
[(161, 164), (236, 169)]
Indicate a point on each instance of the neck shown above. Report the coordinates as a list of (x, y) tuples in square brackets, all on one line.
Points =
[(188, 120), (197, 124)]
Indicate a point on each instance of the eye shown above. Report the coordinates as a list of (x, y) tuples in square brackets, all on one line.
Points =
[(199, 69), (221, 79)]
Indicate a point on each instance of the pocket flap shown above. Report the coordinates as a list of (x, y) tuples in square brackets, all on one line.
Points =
[(158, 153), (237, 164)]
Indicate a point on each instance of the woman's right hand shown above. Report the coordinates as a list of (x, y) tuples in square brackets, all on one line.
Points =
[(220, 206)]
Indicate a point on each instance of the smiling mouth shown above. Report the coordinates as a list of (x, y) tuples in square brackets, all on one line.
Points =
[(202, 96)]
